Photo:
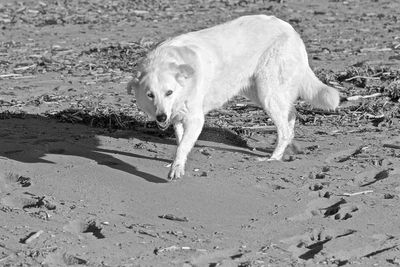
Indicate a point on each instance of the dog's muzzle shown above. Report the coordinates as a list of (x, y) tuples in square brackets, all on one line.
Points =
[(162, 121), (163, 126), (161, 117)]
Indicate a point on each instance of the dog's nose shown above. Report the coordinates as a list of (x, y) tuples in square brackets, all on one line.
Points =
[(162, 117)]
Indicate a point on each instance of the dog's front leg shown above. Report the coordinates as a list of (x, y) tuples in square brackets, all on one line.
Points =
[(192, 127), (178, 127)]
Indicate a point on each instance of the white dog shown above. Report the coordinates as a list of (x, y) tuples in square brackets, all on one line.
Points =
[(260, 57)]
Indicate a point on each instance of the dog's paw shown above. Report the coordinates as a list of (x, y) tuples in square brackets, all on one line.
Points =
[(274, 159), (176, 171)]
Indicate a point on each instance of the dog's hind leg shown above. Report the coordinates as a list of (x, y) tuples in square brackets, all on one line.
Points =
[(276, 79), (292, 121), (279, 109)]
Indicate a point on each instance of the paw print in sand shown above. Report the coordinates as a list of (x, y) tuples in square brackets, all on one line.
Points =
[(308, 245), (340, 210)]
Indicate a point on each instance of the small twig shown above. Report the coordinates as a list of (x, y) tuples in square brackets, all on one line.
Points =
[(34, 236), (356, 193), (160, 250), (362, 77), (371, 116), (320, 112), (278, 247), (11, 75), (376, 49), (25, 67), (358, 97), (173, 218), (118, 120), (143, 232), (24, 77), (379, 251), (173, 248), (264, 127), (395, 146)]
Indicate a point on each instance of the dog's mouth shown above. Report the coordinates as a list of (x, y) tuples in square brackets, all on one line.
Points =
[(163, 125)]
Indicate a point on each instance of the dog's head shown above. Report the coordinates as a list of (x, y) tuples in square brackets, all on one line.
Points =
[(161, 86)]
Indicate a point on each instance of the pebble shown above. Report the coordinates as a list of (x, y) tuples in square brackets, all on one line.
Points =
[(316, 187), (326, 169), (324, 194), (388, 196)]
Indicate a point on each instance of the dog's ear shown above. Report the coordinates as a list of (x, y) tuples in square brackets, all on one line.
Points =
[(185, 71), (134, 83)]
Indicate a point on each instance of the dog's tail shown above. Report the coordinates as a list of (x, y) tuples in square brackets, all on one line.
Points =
[(317, 93)]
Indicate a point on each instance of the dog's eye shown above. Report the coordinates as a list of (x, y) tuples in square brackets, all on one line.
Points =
[(150, 95), (169, 92)]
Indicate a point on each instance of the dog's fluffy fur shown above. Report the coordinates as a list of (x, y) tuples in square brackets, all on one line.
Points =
[(260, 57)]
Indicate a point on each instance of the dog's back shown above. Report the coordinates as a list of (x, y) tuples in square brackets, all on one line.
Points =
[(231, 55)]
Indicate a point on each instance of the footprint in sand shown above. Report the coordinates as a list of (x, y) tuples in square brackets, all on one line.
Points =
[(306, 246), (14, 197), (327, 208), (12, 181), (340, 210), (62, 259), (313, 245), (10, 187), (84, 227)]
